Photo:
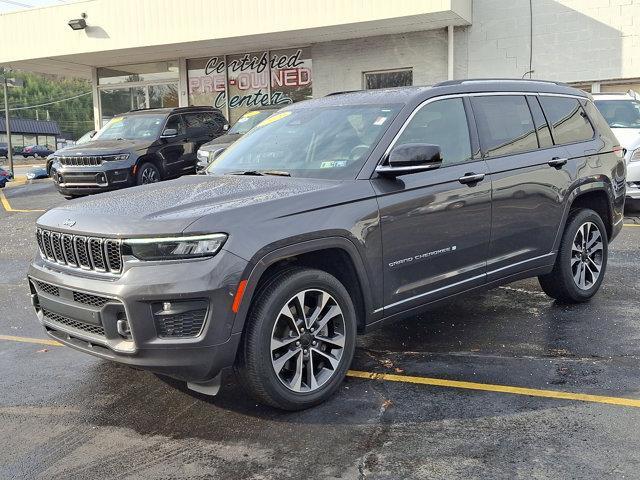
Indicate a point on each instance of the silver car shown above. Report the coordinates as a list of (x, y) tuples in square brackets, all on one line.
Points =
[(622, 113)]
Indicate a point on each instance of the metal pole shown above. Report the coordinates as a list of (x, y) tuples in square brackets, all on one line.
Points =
[(6, 117)]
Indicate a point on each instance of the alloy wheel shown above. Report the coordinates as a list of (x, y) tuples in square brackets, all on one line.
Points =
[(149, 175), (307, 341), (587, 255)]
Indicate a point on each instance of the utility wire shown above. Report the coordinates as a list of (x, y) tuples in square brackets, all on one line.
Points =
[(50, 103)]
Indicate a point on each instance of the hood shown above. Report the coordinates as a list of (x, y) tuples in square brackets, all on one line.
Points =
[(223, 141), (106, 147), (629, 138), (170, 207)]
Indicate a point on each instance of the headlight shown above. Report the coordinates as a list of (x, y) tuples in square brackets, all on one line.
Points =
[(203, 155), (169, 248), (635, 156), (115, 158)]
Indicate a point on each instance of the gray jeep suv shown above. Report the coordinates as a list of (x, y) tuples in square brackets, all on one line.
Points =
[(328, 219)]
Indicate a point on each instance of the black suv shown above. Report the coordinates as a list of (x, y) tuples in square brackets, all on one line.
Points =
[(332, 217), (138, 147)]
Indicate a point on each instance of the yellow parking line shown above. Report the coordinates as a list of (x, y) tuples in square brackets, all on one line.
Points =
[(40, 341), (435, 382), (632, 224), (7, 206), (487, 387)]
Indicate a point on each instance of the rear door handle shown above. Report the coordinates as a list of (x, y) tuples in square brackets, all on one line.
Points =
[(557, 162), (471, 178)]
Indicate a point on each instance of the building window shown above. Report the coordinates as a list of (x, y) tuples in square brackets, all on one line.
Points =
[(388, 79), (141, 72), (250, 80)]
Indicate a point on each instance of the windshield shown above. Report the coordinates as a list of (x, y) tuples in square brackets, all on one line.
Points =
[(620, 113), (249, 120), (133, 127), (316, 142), (85, 138)]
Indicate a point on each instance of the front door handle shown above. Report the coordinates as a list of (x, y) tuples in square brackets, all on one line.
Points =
[(557, 162), (471, 178)]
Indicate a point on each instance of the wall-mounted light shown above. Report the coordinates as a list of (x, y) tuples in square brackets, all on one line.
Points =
[(78, 23)]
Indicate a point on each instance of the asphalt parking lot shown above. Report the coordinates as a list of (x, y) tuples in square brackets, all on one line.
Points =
[(505, 384)]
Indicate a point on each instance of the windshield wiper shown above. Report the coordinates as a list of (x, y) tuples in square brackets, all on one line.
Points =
[(260, 173)]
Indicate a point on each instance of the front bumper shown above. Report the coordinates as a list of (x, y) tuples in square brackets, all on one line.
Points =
[(124, 319), (88, 180), (633, 180)]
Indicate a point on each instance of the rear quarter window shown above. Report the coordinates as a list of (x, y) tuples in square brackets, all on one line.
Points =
[(568, 119)]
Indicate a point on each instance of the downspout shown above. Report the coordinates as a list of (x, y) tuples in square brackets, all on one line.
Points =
[(450, 52)]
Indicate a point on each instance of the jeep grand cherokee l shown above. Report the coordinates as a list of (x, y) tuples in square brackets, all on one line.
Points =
[(139, 147), (330, 218)]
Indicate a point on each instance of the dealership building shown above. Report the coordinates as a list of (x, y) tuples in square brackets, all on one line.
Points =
[(239, 55)]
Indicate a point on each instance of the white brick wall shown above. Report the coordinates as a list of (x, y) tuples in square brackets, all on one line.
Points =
[(339, 65), (573, 40)]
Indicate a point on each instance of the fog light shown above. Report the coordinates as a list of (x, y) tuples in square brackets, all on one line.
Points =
[(166, 306)]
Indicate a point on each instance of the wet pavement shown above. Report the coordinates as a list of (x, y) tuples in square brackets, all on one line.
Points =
[(67, 415)]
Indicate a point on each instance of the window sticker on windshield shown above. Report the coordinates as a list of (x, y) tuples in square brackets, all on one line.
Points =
[(274, 118), (334, 164), (251, 114), (116, 120), (380, 120)]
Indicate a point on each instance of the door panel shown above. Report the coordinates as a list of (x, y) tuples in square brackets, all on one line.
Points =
[(173, 150), (435, 229)]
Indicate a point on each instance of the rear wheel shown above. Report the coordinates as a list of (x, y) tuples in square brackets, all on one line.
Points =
[(582, 259), (299, 339), (147, 173)]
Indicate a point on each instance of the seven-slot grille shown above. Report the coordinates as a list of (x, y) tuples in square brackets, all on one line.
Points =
[(88, 253), (82, 161)]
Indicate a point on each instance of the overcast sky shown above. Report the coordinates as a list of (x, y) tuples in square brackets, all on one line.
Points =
[(11, 5)]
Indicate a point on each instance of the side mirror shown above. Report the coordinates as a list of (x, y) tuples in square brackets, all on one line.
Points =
[(225, 127), (411, 158), (92, 133), (169, 133)]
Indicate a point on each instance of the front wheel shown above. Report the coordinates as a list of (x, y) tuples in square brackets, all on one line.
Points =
[(299, 339), (581, 261), (147, 173)]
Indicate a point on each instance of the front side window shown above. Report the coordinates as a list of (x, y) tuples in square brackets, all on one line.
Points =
[(442, 123), (330, 142), (505, 125), (176, 124), (620, 113), (568, 119), (132, 127)]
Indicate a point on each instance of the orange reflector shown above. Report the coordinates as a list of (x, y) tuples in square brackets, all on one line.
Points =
[(619, 151), (135, 169), (237, 300)]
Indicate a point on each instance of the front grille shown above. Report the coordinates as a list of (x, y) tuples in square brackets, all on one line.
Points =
[(88, 253), (82, 161), (91, 300), (70, 322), (187, 324)]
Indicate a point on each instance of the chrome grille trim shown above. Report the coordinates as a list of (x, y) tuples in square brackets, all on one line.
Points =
[(84, 160), (76, 251)]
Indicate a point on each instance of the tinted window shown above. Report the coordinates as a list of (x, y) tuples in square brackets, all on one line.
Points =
[(570, 123), (504, 124), (175, 123), (544, 134), (442, 123), (201, 122)]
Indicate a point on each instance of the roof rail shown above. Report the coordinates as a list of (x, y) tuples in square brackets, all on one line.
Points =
[(175, 109), (479, 80), (340, 93)]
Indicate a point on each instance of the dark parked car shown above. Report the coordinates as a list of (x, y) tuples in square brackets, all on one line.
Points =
[(4, 150), (34, 151), (209, 151), (82, 140), (136, 148), (335, 216), (6, 174), (3, 181), (36, 173)]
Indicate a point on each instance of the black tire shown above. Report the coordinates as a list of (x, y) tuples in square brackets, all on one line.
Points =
[(254, 365), (147, 173), (560, 283)]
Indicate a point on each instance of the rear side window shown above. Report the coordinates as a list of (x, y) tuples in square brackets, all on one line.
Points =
[(201, 122), (568, 119), (442, 123), (505, 125)]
